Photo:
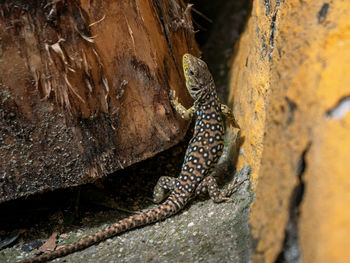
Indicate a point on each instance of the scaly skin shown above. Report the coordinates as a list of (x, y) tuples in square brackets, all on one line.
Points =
[(202, 155)]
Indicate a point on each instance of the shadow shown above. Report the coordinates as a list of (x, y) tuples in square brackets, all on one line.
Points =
[(225, 170), (108, 200)]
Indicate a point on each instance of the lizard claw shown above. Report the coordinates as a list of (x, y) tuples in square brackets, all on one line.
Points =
[(172, 94), (233, 122)]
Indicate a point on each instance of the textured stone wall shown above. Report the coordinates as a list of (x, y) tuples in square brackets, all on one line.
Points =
[(290, 87)]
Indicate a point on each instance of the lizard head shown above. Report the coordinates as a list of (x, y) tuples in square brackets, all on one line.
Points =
[(199, 81)]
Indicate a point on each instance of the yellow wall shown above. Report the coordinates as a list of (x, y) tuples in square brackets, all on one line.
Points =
[(291, 68)]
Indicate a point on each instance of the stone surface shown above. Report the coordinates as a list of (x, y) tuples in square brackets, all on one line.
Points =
[(202, 232), (290, 89)]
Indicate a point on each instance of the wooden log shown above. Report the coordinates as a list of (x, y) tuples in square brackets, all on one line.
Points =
[(84, 88)]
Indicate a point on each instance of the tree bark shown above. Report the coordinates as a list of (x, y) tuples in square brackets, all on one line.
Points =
[(84, 88)]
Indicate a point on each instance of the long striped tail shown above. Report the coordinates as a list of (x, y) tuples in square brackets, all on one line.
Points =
[(166, 209)]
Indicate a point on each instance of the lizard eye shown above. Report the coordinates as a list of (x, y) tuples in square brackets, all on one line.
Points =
[(195, 89), (190, 72)]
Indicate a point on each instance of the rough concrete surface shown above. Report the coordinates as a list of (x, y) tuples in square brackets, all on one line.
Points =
[(202, 232)]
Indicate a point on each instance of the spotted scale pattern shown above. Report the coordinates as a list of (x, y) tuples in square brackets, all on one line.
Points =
[(203, 153), (204, 149)]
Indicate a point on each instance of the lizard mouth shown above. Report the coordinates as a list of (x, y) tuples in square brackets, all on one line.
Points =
[(186, 60)]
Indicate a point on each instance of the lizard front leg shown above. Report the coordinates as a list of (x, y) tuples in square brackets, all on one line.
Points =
[(186, 114), (215, 193), (225, 110)]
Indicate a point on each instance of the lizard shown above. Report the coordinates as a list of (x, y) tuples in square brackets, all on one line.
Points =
[(202, 155)]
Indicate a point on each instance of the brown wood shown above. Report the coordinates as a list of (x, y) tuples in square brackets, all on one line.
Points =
[(84, 88)]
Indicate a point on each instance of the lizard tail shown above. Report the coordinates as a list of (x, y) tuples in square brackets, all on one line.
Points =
[(168, 208)]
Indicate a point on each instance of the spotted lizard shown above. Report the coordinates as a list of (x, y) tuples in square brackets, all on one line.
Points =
[(202, 155)]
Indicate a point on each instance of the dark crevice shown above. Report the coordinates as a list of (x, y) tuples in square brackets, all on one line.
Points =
[(267, 6), (219, 21), (292, 106), (218, 37), (322, 14), (272, 30), (166, 33), (290, 252), (163, 22), (264, 47)]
